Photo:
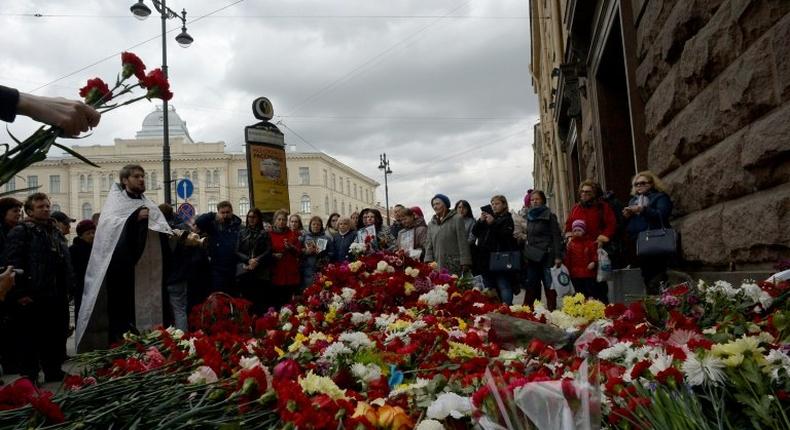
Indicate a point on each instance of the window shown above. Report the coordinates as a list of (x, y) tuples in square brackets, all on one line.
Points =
[(340, 178), (154, 181), (305, 204), (104, 185), (244, 206), (54, 183), (348, 186), (111, 179), (195, 178), (334, 184), (11, 184), (334, 205), (367, 198), (32, 181), (83, 183), (188, 175), (304, 176), (208, 178), (242, 179), (212, 205), (326, 183), (55, 207), (326, 205), (90, 182), (215, 180), (355, 190), (87, 211)]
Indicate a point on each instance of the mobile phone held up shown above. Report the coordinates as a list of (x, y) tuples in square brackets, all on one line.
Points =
[(19, 272)]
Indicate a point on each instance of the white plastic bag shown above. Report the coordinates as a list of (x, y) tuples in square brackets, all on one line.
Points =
[(604, 266), (561, 281)]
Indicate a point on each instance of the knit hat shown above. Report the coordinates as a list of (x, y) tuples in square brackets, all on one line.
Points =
[(579, 224), (528, 198), (417, 211), (85, 225), (443, 198)]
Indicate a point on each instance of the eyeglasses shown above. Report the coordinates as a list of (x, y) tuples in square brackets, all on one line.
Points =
[(640, 183)]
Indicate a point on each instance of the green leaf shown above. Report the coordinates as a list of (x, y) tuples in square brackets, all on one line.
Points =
[(75, 154)]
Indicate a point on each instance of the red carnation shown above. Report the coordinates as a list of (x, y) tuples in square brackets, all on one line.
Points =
[(670, 376), (44, 405), (639, 368), (158, 86), (95, 90), (132, 65), (597, 345)]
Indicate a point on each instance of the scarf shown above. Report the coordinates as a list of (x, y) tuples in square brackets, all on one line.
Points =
[(536, 212)]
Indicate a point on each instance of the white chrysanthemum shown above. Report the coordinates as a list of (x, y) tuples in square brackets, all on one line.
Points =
[(249, 362), (382, 266), (429, 425), (383, 321), (287, 326), (175, 333), (660, 363), (348, 294), (638, 354), (335, 350), (202, 375), (615, 351), (706, 370), (366, 372), (435, 297), (412, 272), (356, 340), (449, 404), (516, 354), (777, 361), (360, 318), (565, 321)]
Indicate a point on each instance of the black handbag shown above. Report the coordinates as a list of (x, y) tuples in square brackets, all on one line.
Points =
[(534, 254), (651, 243), (508, 261)]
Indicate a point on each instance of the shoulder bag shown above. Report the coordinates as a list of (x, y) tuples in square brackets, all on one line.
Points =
[(506, 261), (663, 241)]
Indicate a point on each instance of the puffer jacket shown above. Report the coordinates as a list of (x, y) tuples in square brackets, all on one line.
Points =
[(448, 243), (40, 250), (544, 232), (579, 254)]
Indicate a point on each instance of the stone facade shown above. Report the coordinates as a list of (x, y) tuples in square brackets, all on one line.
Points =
[(317, 183), (708, 89)]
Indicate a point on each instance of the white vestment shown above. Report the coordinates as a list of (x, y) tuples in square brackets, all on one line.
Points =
[(92, 331)]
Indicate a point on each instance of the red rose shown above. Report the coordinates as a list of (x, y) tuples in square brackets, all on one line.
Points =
[(158, 86), (95, 90), (287, 370), (132, 65)]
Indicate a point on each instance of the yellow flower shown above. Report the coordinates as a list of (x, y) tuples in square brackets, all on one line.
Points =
[(461, 324), (331, 315), (328, 284), (520, 308), (298, 342), (408, 288), (279, 351), (733, 360), (398, 325), (462, 350), (455, 295), (314, 384), (365, 410)]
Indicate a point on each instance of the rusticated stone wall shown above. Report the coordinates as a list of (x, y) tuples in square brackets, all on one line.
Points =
[(715, 79)]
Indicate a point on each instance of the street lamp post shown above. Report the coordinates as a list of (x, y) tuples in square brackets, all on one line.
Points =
[(141, 11), (384, 164)]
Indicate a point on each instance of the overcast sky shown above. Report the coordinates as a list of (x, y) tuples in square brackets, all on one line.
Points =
[(441, 86)]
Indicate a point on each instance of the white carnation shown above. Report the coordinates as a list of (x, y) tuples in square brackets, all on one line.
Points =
[(202, 375), (249, 362), (366, 372), (449, 404), (360, 318), (429, 425), (615, 351), (356, 340), (335, 350)]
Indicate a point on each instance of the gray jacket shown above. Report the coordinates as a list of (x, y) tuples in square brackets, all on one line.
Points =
[(448, 243)]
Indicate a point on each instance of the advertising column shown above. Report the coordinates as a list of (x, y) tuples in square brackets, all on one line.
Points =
[(267, 174)]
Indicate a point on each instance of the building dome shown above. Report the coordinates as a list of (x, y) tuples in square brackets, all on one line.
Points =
[(152, 125)]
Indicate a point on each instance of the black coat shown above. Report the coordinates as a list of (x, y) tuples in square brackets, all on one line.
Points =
[(254, 243), (340, 244), (494, 237), (40, 250), (544, 232), (80, 255), (222, 239)]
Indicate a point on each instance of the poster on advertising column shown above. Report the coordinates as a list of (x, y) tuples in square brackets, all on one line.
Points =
[(267, 173), (268, 177)]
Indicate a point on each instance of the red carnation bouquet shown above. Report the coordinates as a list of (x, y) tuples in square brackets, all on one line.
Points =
[(97, 94)]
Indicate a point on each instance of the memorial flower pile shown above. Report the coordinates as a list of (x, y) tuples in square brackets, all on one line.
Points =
[(386, 342), (97, 94)]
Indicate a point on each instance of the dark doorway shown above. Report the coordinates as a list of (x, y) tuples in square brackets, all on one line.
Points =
[(617, 151)]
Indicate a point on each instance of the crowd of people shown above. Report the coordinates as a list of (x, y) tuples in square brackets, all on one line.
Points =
[(114, 258)]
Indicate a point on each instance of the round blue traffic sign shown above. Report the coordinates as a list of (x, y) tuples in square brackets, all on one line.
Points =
[(184, 188)]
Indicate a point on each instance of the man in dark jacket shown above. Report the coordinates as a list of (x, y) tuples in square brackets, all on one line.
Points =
[(80, 251), (222, 229), (39, 301), (179, 261)]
